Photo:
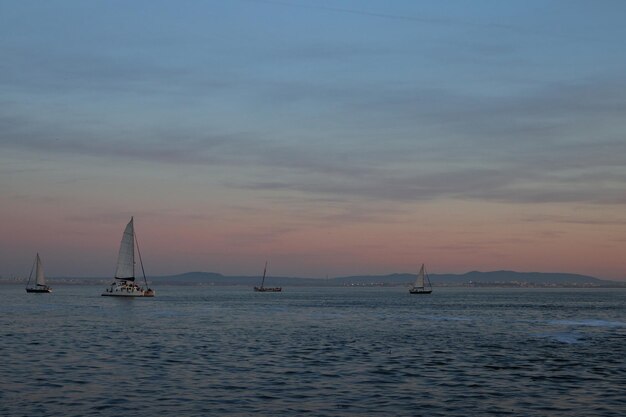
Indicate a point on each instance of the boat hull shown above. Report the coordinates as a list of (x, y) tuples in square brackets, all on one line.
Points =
[(39, 290), (106, 294), (268, 289), (420, 291), (127, 291)]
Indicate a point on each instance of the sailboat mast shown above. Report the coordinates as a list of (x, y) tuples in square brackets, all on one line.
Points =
[(31, 271), (427, 280), (140, 261), (264, 271)]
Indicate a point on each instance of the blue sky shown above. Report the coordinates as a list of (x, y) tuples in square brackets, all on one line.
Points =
[(268, 121)]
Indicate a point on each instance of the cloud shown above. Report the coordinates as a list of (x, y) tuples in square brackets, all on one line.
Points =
[(560, 143), (578, 220), (107, 217), (42, 72), (387, 16)]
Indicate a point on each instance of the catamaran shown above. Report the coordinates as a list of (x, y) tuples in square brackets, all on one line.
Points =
[(266, 289), (40, 280), (420, 286), (124, 284)]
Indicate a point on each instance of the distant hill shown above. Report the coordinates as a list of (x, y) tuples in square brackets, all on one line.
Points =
[(493, 278), (214, 278), (531, 277), (474, 278)]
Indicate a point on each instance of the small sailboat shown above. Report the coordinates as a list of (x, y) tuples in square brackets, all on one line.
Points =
[(124, 284), (422, 283), (40, 280), (266, 289)]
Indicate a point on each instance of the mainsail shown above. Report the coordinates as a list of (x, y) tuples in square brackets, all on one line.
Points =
[(419, 282), (126, 257), (422, 283), (40, 280)]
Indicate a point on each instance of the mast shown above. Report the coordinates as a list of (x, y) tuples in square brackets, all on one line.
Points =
[(430, 286), (31, 270), (141, 262), (126, 256), (264, 271)]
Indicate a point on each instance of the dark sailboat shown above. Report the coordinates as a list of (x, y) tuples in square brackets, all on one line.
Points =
[(422, 283), (40, 280), (266, 289)]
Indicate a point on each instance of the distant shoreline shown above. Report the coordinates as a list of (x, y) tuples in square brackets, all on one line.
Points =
[(493, 279)]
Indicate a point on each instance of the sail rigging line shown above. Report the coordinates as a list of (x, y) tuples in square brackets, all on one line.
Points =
[(140, 261), (31, 270), (427, 280)]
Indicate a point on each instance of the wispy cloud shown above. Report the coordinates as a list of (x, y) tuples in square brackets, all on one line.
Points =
[(578, 220), (552, 145), (382, 15)]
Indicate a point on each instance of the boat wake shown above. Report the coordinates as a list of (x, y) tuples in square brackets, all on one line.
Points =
[(569, 338), (589, 323)]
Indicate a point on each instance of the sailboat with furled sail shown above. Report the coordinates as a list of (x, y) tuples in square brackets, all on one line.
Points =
[(40, 279), (266, 289), (422, 283), (124, 284)]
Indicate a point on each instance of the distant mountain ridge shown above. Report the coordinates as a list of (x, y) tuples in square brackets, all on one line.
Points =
[(475, 278)]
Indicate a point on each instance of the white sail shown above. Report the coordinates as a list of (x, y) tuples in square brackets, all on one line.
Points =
[(40, 280), (419, 282), (126, 257)]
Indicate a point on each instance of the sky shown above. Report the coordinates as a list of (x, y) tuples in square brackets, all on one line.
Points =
[(329, 137)]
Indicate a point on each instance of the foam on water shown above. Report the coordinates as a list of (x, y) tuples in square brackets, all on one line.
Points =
[(562, 337), (589, 322)]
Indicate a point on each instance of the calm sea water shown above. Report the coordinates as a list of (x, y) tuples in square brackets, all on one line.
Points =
[(321, 352)]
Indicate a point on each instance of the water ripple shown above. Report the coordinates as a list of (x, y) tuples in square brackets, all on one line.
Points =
[(322, 352)]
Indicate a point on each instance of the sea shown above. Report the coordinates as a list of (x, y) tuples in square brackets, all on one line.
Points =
[(349, 351)]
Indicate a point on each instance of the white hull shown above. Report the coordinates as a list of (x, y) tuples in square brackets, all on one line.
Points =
[(114, 294), (127, 290)]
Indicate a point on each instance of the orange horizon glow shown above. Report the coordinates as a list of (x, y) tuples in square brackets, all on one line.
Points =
[(458, 237)]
